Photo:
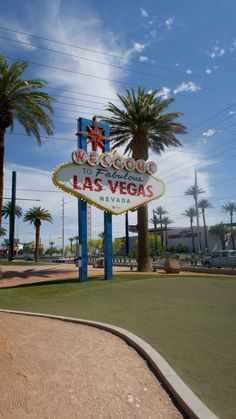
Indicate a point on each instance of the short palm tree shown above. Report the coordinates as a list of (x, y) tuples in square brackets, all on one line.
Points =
[(23, 101), (142, 125), (7, 210), (160, 211), (191, 213), (203, 204), (71, 239), (35, 216), (154, 221), (166, 221), (230, 207), (3, 231), (221, 230)]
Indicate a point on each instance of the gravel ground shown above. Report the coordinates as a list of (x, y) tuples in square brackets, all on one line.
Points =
[(52, 369)]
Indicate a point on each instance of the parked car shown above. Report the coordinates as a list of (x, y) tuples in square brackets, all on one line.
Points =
[(29, 258), (223, 258), (59, 259)]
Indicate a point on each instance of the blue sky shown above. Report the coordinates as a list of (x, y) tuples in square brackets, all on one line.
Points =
[(185, 49)]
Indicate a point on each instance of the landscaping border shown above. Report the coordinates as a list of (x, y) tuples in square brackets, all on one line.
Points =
[(191, 405)]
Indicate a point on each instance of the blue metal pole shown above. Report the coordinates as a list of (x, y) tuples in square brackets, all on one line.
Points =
[(107, 223), (82, 212)]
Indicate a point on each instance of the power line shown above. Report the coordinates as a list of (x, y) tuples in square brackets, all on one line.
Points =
[(102, 78), (111, 55)]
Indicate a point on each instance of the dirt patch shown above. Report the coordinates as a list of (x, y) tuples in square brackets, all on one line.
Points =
[(52, 369), (18, 275)]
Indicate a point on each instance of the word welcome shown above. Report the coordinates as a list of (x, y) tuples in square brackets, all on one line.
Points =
[(108, 160)]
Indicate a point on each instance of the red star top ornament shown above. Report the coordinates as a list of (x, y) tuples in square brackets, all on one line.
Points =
[(94, 135)]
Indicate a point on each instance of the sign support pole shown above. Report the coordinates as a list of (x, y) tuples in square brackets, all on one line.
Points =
[(107, 223), (82, 212)]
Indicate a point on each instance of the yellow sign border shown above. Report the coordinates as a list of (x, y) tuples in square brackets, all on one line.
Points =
[(78, 195)]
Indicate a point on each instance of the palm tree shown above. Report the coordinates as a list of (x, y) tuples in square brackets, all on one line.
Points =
[(51, 244), (71, 239), (154, 221), (102, 236), (160, 211), (7, 210), (220, 230), (194, 191), (203, 204), (36, 215), (141, 124), (23, 101), (166, 221), (3, 231), (191, 213), (230, 207)]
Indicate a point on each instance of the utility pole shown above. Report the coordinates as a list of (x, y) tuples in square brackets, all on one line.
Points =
[(63, 227), (196, 205), (12, 218)]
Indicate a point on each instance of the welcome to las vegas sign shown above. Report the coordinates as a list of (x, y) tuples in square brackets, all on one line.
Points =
[(111, 182)]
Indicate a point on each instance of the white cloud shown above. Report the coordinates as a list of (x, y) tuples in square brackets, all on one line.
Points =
[(209, 132), (231, 112), (143, 59), (164, 92), (153, 34), (137, 47), (189, 71), (188, 86), (143, 12), (169, 22), (25, 38), (217, 50), (208, 70)]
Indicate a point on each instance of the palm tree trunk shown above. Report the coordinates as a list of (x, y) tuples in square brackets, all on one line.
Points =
[(231, 228), (205, 230), (2, 149), (37, 238), (144, 259), (166, 235), (193, 242)]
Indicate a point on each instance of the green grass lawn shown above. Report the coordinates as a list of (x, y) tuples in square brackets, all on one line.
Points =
[(191, 321)]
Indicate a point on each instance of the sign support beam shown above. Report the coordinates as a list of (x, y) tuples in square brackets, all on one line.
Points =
[(107, 223), (82, 212)]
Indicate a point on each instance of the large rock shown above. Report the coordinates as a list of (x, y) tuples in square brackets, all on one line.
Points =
[(99, 263), (171, 266)]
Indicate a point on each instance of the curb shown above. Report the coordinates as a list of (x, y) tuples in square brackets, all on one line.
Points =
[(191, 405)]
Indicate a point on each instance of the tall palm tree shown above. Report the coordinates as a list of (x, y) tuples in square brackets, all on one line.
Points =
[(160, 211), (166, 221), (191, 213), (220, 230), (142, 125), (35, 216), (194, 191), (230, 207), (203, 204), (23, 101)]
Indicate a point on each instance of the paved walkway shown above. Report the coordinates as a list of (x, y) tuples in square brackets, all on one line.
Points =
[(52, 369)]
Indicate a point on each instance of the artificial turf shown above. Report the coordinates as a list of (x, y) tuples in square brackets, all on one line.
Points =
[(191, 321)]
